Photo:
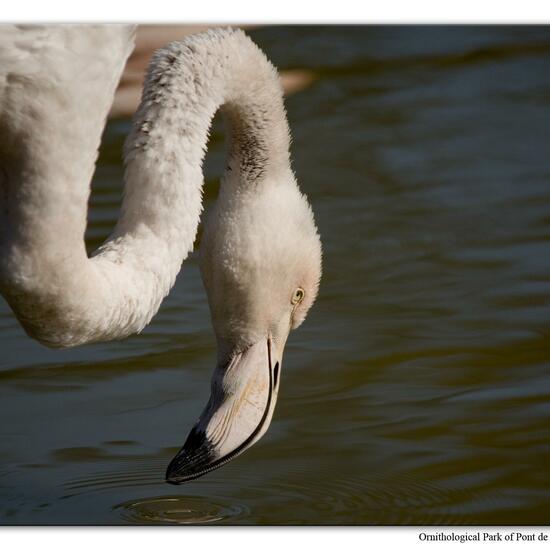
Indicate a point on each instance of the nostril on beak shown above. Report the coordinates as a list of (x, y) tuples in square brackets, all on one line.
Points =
[(276, 375)]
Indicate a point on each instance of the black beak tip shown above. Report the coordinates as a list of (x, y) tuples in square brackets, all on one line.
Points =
[(193, 460), (174, 480), (172, 476), (180, 470)]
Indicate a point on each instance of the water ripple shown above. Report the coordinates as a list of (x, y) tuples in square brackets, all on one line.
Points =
[(178, 510)]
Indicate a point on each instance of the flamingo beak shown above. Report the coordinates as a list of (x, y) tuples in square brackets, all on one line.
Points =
[(239, 411)]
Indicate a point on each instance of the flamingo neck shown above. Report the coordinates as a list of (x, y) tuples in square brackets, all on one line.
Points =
[(63, 298)]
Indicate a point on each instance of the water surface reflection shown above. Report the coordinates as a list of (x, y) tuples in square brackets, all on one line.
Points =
[(178, 511)]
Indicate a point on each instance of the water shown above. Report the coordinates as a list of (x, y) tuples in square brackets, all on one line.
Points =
[(418, 390)]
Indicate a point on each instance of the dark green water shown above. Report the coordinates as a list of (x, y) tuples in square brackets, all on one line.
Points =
[(418, 390)]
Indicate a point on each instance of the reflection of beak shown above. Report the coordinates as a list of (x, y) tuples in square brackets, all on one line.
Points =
[(242, 400)]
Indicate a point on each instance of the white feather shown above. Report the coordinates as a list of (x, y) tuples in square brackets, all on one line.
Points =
[(56, 87)]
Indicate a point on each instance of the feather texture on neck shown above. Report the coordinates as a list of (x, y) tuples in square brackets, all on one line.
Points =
[(62, 297)]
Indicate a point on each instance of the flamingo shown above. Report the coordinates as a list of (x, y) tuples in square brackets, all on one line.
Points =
[(260, 256)]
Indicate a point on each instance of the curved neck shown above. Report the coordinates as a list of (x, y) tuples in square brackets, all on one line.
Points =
[(118, 290), (186, 84)]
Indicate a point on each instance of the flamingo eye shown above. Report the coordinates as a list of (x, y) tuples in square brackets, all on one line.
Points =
[(298, 296)]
